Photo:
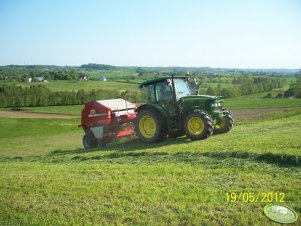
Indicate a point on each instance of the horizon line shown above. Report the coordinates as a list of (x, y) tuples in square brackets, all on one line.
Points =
[(229, 68)]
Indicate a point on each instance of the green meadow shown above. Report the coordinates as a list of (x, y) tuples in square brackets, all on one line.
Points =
[(259, 101), (66, 85), (46, 177), (89, 85)]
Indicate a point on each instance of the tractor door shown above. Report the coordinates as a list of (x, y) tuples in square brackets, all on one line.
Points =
[(163, 94)]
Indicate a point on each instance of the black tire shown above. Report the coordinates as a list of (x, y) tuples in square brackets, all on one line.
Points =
[(198, 125), (89, 141), (150, 126), (226, 125)]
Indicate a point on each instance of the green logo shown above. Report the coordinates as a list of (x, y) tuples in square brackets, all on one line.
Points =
[(280, 214)]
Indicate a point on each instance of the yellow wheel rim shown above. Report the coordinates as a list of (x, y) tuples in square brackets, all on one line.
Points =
[(195, 125), (147, 126), (221, 124)]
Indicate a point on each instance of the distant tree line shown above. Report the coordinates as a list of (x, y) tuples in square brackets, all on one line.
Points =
[(98, 67), (59, 75), (295, 89), (246, 85), (19, 76), (39, 95)]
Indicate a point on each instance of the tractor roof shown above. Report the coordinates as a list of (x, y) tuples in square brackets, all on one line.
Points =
[(154, 81)]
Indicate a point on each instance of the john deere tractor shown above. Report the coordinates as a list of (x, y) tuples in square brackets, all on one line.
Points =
[(174, 108)]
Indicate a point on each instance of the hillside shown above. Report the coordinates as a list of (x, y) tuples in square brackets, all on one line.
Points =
[(47, 178)]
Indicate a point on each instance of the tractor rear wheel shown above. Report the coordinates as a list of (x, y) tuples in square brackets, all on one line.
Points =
[(225, 123), (89, 141), (150, 126), (198, 125)]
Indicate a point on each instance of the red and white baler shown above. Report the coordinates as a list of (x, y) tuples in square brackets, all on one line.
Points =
[(104, 120)]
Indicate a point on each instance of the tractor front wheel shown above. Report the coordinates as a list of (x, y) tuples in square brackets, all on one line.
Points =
[(225, 124), (150, 126), (89, 141), (198, 125)]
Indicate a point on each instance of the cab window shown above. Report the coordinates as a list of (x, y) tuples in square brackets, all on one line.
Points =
[(163, 91), (151, 97)]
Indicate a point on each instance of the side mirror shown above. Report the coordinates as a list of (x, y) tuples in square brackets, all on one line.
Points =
[(196, 81), (169, 83)]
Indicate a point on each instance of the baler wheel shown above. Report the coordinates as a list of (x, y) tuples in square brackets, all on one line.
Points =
[(89, 141)]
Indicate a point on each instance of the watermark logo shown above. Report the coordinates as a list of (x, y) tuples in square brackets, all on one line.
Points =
[(280, 214)]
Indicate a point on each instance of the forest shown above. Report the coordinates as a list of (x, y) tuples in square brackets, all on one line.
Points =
[(38, 95)]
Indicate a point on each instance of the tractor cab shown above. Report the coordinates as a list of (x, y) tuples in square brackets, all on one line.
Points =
[(163, 89), (174, 106), (163, 92)]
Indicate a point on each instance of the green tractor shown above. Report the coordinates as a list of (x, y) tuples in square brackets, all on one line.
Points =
[(174, 108)]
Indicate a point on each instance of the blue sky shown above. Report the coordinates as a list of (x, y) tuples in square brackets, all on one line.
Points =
[(200, 33)]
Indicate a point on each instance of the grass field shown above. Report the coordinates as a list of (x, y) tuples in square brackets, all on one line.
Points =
[(111, 74), (28, 137), (46, 177), (68, 110), (65, 85), (89, 85), (243, 102), (258, 101)]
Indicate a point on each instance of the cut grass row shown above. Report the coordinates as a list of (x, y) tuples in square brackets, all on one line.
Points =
[(173, 182)]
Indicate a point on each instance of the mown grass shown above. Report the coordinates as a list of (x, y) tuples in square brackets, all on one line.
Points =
[(174, 182), (67, 110), (74, 110), (160, 194), (24, 137)]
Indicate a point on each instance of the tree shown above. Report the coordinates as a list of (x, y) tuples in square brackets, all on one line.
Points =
[(225, 93), (211, 91), (246, 85), (3, 100), (297, 89), (140, 71), (234, 91)]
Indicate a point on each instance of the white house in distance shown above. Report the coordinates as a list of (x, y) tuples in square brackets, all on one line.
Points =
[(83, 77), (38, 79), (27, 80), (102, 78)]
